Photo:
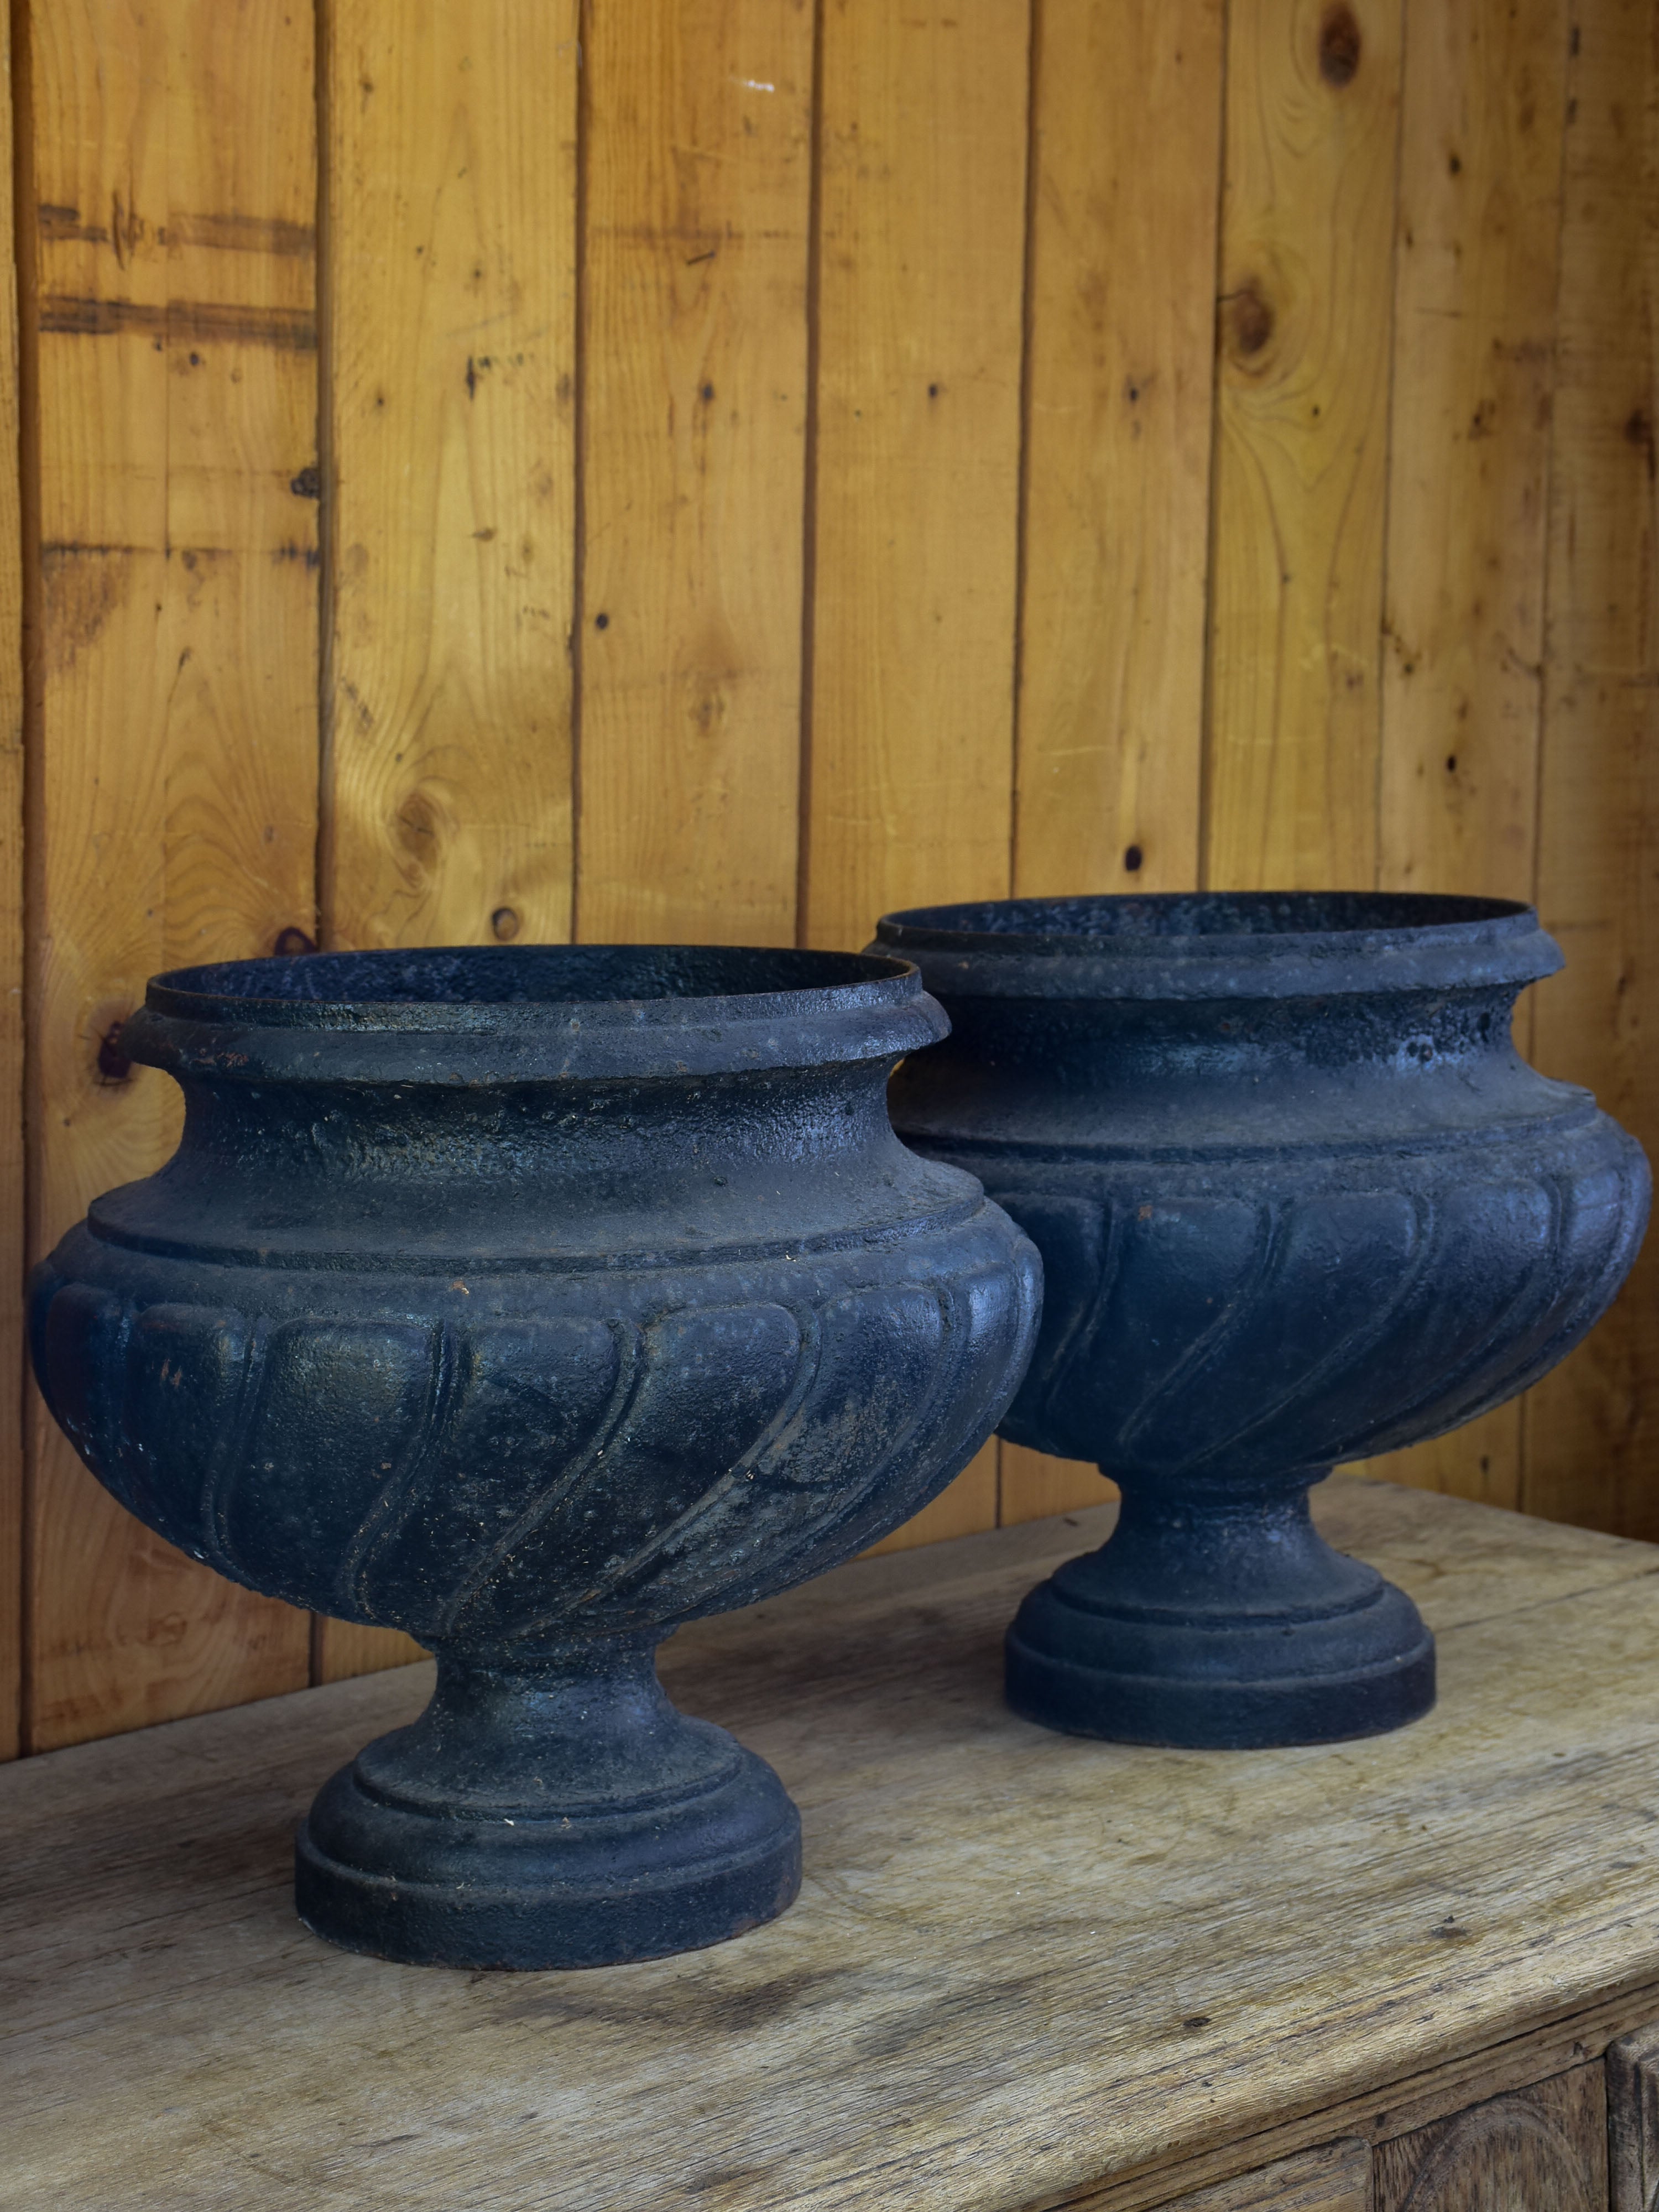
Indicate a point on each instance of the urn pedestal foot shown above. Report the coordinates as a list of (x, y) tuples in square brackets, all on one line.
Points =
[(548, 1812), (1220, 1620)]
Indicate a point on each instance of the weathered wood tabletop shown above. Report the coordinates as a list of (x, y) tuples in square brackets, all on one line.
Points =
[(1023, 1971)]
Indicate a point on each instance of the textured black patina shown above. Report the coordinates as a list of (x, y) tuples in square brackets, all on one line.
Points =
[(535, 1300), (1298, 1201)]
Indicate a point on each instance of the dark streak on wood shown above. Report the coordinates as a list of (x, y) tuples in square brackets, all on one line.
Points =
[(186, 321), (66, 223), (241, 234)]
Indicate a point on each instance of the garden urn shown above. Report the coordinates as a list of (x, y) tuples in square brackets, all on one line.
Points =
[(1298, 1201), (536, 1300)]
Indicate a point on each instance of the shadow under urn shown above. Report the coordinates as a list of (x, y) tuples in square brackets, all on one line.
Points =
[(535, 1300), (1298, 1201)]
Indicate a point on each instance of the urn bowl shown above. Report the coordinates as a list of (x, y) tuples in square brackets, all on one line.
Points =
[(1299, 1200), (535, 1300)]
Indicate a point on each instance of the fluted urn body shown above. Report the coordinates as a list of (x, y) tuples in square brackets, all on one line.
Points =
[(1298, 1201), (536, 1301)]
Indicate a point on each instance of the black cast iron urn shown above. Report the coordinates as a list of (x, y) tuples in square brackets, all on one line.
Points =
[(536, 1301), (1298, 1201)]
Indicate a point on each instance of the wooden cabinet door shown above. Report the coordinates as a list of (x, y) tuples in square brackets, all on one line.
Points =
[(1542, 2149)]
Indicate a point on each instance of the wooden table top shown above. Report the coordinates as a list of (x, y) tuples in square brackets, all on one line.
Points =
[(1024, 1970)]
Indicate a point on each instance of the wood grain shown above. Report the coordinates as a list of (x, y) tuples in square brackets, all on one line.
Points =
[(1334, 2177), (1632, 2090), (169, 202), (1125, 117), (1476, 271), (450, 319), (1024, 1970), (341, 1649), (698, 205), (1593, 1426), (920, 251), (1312, 108), (1546, 2146)]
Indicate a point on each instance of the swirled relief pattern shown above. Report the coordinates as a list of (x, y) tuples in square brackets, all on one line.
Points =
[(1198, 1335), (492, 1481)]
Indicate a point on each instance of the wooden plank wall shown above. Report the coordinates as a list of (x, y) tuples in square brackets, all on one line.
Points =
[(628, 469)]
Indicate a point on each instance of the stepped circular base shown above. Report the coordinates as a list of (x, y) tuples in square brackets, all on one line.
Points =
[(1220, 1681), (527, 1887)]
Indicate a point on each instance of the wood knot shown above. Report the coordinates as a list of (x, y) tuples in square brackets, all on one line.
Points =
[(291, 942), (1250, 318), (1340, 42), (113, 1065), (505, 924)]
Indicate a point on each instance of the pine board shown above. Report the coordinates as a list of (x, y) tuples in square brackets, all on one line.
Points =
[(449, 401), (1125, 137), (168, 206), (916, 477), (1025, 1969), (1300, 474), (1476, 273), (698, 206)]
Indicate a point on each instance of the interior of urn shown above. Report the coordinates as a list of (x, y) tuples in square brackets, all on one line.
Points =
[(482, 974), (1211, 914)]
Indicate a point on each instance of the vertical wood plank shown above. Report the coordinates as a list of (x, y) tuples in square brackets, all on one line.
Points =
[(12, 1225), (698, 199), (923, 127), (1592, 1427), (1125, 149), (170, 202), (449, 392), (1312, 109), (920, 268), (1476, 265), (1474, 329)]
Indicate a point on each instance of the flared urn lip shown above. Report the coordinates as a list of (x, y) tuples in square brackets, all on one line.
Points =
[(483, 1014), (1221, 944)]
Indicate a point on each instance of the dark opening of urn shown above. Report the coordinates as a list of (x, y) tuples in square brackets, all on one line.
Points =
[(1298, 1201), (535, 1300)]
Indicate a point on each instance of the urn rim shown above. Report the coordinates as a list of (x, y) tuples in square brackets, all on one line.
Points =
[(1222, 945), (478, 1014)]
